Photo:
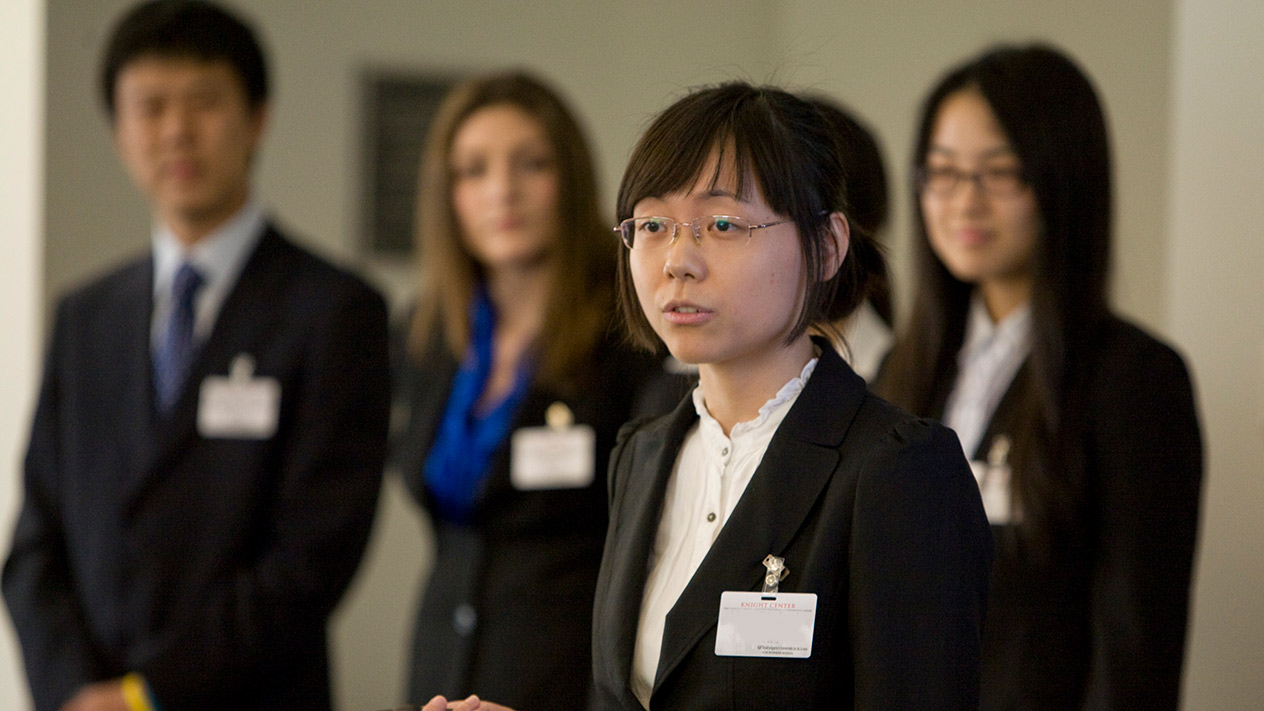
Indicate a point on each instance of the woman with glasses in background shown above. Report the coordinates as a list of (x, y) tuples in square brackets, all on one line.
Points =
[(511, 388), (1082, 427)]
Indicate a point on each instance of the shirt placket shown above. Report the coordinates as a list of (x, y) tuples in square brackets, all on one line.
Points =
[(712, 513)]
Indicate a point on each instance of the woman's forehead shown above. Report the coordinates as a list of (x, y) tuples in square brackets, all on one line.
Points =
[(717, 177)]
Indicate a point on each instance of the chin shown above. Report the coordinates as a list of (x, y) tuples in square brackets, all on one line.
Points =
[(688, 353)]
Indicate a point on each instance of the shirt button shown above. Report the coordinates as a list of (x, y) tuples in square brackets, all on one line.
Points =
[(464, 619), (711, 517), (724, 452)]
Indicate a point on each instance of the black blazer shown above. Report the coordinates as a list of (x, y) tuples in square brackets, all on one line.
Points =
[(873, 510), (209, 565), (507, 610), (1101, 623)]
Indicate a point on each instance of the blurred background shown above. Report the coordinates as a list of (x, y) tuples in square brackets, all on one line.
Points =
[(1182, 82)]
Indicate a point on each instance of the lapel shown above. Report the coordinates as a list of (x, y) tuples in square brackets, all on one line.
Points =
[(799, 462), (130, 405), (421, 386), (634, 523), (1003, 417), (245, 324)]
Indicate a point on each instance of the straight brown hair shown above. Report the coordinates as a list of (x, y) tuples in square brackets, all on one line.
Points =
[(581, 267)]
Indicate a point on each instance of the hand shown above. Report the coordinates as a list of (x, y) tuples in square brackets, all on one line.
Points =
[(473, 703), (101, 696)]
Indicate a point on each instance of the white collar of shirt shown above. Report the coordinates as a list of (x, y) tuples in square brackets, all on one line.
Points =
[(990, 357), (709, 477), (219, 258)]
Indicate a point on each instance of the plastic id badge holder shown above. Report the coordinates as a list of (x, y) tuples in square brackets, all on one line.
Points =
[(768, 624)]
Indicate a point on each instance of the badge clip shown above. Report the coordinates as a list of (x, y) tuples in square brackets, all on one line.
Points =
[(558, 417), (777, 571), (242, 368), (993, 476)]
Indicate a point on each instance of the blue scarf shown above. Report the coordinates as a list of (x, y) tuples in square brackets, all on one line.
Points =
[(466, 439)]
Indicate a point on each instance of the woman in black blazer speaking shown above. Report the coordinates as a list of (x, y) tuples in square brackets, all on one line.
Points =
[(1083, 426), (780, 470)]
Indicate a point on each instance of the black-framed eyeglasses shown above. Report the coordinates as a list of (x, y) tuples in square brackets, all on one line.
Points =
[(646, 233), (942, 181)]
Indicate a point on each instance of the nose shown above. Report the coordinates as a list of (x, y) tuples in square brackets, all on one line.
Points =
[(177, 123), (970, 194), (684, 259), (504, 182)]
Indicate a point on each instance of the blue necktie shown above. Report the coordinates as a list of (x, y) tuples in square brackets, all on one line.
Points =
[(176, 350)]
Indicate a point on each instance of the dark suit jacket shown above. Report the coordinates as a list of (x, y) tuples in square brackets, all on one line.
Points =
[(1101, 624), (209, 565), (507, 610), (873, 510)]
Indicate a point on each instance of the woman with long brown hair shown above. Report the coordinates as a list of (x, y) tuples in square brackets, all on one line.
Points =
[(513, 389)]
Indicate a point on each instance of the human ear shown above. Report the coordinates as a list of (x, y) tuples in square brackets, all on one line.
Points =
[(259, 117), (836, 245)]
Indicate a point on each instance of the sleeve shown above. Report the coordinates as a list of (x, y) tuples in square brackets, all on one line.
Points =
[(1145, 464), (268, 620), (38, 588), (921, 556)]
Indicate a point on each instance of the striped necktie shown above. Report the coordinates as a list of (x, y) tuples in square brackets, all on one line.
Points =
[(176, 350)]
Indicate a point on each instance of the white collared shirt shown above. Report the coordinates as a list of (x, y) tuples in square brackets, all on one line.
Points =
[(710, 474), (218, 258), (990, 357)]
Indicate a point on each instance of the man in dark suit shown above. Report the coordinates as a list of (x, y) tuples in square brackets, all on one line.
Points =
[(206, 452)]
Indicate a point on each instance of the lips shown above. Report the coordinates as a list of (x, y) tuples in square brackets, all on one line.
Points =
[(686, 314), (973, 236), (183, 170)]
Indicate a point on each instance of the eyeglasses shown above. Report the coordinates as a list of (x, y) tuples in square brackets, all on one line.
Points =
[(942, 181), (645, 233)]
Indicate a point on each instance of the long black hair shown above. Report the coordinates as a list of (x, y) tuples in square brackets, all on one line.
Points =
[(1051, 116)]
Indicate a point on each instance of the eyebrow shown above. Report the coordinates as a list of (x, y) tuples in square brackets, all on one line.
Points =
[(717, 192), (999, 151)]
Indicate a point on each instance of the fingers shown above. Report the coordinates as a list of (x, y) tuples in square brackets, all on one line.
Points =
[(472, 703)]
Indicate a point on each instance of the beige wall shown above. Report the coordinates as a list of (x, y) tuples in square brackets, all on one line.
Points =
[(1187, 166), (21, 184), (1217, 313)]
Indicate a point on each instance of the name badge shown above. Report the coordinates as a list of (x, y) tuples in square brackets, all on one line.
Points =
[(559, 456), (239, 406), (776, 625)]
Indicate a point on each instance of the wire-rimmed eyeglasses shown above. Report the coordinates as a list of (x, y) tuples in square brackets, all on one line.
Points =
[(943, 180), (645, 233)]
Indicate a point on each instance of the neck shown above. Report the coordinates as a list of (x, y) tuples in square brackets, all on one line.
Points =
[(520, 298), (1002, 297), (191, 227), (735, 391)]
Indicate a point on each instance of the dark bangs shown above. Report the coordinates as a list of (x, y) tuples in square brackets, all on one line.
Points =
[(767, 135)]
